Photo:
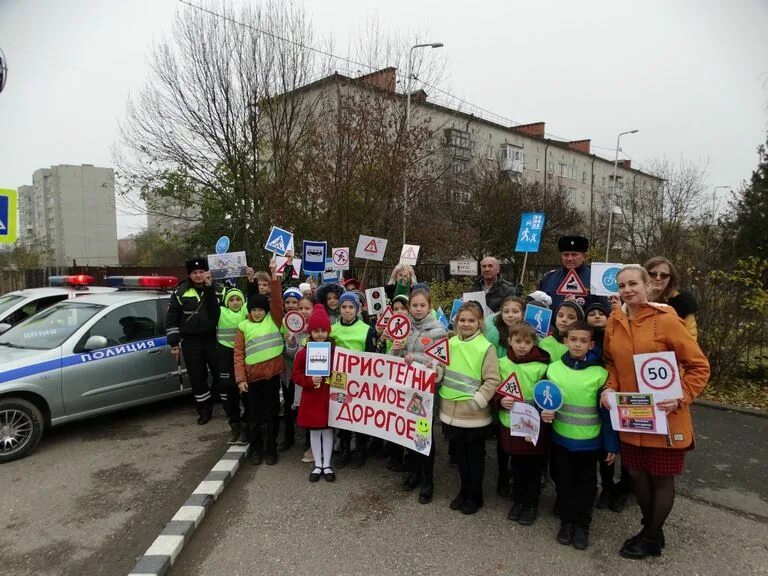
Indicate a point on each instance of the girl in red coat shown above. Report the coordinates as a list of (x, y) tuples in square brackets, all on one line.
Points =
[(313, 410)]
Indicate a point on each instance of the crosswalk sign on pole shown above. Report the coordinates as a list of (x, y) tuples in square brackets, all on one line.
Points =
[(7, 216), (279, 241), (529, 235)]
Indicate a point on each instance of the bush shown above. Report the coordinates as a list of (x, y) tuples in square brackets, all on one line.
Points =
[(444, 293), (732, 317)]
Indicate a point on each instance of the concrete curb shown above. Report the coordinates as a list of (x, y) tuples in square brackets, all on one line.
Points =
[(730, 408), (159, 557)]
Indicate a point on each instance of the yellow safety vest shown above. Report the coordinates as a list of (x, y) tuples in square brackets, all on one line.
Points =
[(553, 347), (262, 340), (228, 323), (351, 337), (578, 418), (527, 376), (464, 375)]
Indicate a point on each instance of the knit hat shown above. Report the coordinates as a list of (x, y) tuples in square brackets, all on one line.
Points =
[(604, 308), (540, 298), (400, 298), (420, 286), (574, 306), (304, 288), (197, 264), (350, 297), (233, 292), (319, 319), (292, 293), (256, 300), (572, 244), (348, 283)]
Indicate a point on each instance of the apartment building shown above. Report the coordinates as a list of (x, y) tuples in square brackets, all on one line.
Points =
[(70, 212)]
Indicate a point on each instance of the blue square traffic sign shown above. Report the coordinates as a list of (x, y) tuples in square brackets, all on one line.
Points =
[(529, 236), (7, 216)]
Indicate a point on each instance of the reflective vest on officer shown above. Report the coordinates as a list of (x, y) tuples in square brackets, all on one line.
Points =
[(262, 340), (352, 336), (464, 375), (527, 375), (578, 418)]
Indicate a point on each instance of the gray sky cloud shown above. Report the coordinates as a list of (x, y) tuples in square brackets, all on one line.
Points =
[(691, 75)]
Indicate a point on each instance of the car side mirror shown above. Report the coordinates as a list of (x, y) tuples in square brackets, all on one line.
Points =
[(4, 327), (95, 342)]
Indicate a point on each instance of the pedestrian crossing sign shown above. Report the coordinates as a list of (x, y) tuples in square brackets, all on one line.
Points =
[(7, 216), (279, 241)]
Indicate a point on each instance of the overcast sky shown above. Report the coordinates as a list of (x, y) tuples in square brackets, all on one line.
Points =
[(691, 75)]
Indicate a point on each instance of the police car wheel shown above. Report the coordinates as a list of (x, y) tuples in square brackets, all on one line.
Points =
[(21, 427)]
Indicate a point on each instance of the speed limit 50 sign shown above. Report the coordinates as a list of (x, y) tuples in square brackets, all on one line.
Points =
[(658, 374)]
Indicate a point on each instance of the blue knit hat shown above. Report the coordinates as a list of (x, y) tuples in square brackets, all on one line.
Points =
[(350, 297), (292, 293)]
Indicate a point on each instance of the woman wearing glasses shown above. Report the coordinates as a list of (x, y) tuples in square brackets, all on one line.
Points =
[(665, 282)]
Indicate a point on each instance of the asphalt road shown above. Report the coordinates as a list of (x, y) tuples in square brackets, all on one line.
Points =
[(95, 494), (271, 520)]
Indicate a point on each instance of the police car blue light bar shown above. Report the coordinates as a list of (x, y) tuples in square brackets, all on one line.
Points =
[(156, 282), (76, 280)]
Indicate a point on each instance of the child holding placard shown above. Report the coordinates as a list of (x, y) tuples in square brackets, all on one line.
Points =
[(313, 410), (580, 430), (529, 364), (233, 312), (566, 314), (425, 331), (469, 384)]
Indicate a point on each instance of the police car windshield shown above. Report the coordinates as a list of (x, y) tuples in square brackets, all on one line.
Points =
[(51, 327), (7, 301)]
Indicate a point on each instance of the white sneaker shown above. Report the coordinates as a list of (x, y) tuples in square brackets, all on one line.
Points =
[(307, 458)]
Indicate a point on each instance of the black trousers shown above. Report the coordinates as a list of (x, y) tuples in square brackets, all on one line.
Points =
[(289, 416), (469, 452), (361, 440), (264, 409), (576, 483), (231, 397), (607, 472), (502, 459), (527, 470), (421, 464), (200, 358)]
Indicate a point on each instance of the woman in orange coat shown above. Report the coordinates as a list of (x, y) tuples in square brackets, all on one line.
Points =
[(640, 327)]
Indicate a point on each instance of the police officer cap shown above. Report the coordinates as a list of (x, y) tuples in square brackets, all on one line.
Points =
[(573, 244), (197, 264)]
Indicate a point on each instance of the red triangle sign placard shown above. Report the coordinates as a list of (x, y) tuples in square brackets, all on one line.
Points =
[(511, 388), (409, 254), (439, 351), (384, 317), (571, 285), (371, 247)]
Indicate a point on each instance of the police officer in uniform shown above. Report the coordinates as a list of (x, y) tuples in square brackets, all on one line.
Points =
[(573, 256), (193, 314)]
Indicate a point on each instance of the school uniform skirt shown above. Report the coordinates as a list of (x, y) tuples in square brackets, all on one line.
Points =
[(655, 461)]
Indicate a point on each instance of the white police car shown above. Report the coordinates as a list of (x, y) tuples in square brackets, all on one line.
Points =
[(21, 304), (83, 357)]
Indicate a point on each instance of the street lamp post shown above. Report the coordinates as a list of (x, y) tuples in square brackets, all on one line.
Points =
[(408, 122), (613, 192), (714, 202)]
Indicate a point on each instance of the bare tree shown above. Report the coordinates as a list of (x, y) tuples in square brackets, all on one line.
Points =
[(213, 132)]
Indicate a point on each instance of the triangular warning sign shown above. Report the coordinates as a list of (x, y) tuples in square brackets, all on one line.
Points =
[(384, 317), (416, 406), (511, 388), (278, 244), (371, 247), (409, 254), (571, 285), (439, 351)]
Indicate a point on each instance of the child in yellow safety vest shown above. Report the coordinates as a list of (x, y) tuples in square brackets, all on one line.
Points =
[(566, 314), (527, 460), (580, 430), (468, 386), (259, 366), (352, 333), (233, 312)]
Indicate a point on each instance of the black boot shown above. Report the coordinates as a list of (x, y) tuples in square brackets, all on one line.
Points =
[(359, 457), (410, 481), (344, 454), (641, 546), (427, 489), (234, 434), (204, 414), (565, 535)]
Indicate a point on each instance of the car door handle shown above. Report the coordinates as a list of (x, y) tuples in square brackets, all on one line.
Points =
[(153, 352)]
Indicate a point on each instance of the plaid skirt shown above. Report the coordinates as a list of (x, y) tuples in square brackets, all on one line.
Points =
[(655, 461)]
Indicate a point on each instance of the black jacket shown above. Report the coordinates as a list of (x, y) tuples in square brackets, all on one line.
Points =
[(498, 292), (192, 317)]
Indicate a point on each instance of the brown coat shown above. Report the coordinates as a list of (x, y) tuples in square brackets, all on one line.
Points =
[(655, 328), (270, 368)]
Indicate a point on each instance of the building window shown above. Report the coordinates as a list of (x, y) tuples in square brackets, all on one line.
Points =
[(584, 177), (511, 158), (457, 138), (603, 180), (562, 169), (551, 168), (537, 165)]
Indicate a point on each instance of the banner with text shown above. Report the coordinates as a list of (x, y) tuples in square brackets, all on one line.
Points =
[(382, 396)]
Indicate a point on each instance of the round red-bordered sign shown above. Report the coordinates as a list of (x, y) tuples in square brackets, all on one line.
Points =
[(294, 322), (666, 383), (399, 326)]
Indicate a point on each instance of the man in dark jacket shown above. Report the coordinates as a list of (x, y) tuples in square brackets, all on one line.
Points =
[(193, 314), (571, 281), (494, 286)]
